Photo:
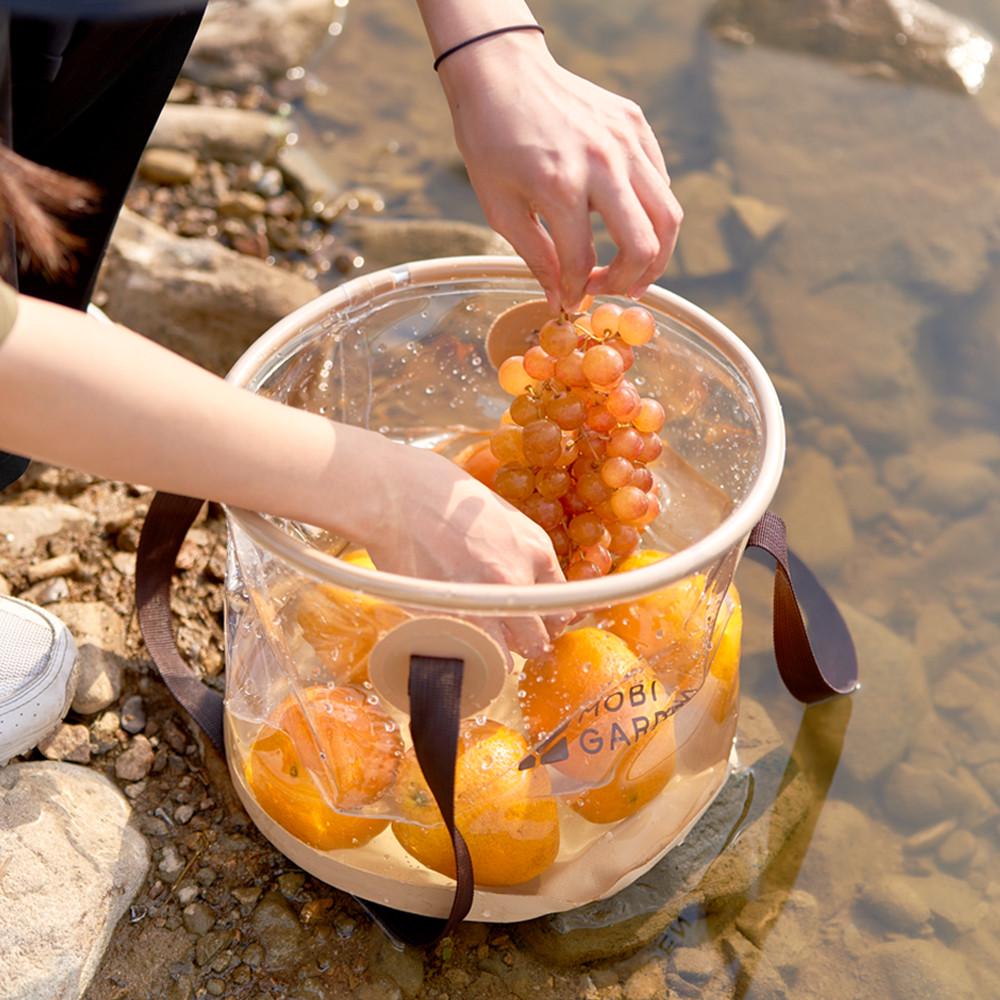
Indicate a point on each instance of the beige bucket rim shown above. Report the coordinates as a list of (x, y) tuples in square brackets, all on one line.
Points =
[(509, 598)]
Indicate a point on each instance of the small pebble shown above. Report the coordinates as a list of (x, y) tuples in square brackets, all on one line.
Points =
[(135, 762), (67, 743), (64, 565), (133, 719), (183, 814), (694, 965), (246, 894), (187, 894), (136, 789), (206, 876), (290, 883), (254, 956), (931, 836), (198, 918), (171, 863), (215, 987)]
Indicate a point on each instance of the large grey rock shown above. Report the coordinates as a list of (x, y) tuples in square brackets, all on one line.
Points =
[(193, 295), (892, 700), (384, 242), (212, 133), (71, 864), (251, 41), (23, 526), (917, 39), (100, 641), (707, 870)]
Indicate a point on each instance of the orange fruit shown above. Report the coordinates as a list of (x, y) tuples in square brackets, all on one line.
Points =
[(342, 625), (479, 461), (331, 750), (600, 716), (508, 817), (670, 627)]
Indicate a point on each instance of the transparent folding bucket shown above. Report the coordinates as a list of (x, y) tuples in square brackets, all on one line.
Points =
[(578, 769)]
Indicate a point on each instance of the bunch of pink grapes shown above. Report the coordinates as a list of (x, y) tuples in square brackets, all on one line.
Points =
[(576, 443)]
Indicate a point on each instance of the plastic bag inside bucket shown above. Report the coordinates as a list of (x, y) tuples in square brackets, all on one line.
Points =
[(622, 728)]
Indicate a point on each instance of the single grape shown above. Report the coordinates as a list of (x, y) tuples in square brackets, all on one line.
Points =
[(524, 409), (514, 482), (586, 529), (560, 540), (649, 418), (592, 489), (542, 442), (604, 512), (636, 326), (569, 369), (625, 442), (624, 539), (652, 511), (602, 365), (568, 453), (558, 338), (623, 349), (538, 363), (581, 467), (507, 444), (573, 505), (593, 446), (598, 555), (547, 513), (604, 320), (628, 503), (580, 569), (652, 448), (642, 478), (617, 472), (553, 483), (600, 420), (623, 401), (567, 411), (512, 377)]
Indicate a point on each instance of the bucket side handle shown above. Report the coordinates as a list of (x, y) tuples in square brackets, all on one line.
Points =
[(826, 666)]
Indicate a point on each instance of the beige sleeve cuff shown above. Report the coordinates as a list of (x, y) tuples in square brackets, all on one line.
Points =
[(8, 309)]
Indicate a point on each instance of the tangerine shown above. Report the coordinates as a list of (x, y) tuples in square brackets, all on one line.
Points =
[(507, 816), (325, 751), (591, 691), (343, 625), (479, 461), (670, 627)]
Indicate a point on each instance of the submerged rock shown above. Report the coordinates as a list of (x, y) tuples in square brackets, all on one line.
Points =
[(71, 864), (193, 295), (912, 39)]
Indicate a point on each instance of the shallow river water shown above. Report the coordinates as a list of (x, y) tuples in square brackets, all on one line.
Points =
[(876, 306)]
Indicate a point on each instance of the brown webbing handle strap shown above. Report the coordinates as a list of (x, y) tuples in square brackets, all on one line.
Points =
[(163, 531), (435, 689), (828, 665)]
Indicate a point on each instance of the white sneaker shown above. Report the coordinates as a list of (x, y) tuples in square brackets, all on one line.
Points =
[(37, 675)]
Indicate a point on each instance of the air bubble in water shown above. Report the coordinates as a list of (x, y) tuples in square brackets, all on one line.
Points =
[(372, 699), (477, 361), (390, 726), (480, 720)]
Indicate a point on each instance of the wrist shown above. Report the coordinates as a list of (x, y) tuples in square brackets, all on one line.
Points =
[(475, 64)]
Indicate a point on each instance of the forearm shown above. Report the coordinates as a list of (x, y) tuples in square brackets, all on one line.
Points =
[(100, 398)]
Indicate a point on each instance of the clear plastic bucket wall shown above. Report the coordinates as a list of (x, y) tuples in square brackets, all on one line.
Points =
[(623, 730)]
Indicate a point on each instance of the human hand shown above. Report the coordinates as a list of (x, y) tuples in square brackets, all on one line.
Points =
[(542, 144), (436, 522)]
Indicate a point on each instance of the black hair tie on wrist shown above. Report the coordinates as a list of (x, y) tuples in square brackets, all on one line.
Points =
[(486, 34)]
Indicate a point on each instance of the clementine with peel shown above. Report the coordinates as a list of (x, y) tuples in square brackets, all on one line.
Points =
[(670, 627), (507, 816), (479, 461), (599, 715), (331, 750), (343, 625)]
